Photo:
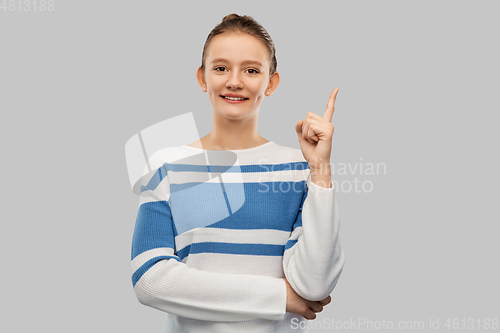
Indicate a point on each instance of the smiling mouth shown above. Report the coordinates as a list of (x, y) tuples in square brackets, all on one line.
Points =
[(235, 98)]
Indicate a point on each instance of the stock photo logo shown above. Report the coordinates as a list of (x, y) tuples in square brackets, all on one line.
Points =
[(191, 180), (345, 176)]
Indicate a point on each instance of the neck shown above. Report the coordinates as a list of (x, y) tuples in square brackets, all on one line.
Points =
[(233, 133)]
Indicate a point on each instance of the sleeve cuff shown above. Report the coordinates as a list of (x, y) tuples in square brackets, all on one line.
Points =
[(317, 188)]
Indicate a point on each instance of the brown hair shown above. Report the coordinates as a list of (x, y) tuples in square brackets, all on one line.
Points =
[(236, 23)]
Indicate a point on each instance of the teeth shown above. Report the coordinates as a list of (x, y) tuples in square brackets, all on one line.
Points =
[(234, 98)]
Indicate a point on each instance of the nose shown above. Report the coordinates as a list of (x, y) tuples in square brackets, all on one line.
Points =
[(234, 81)]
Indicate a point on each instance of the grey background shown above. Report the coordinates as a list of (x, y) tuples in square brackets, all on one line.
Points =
[(418, 91)]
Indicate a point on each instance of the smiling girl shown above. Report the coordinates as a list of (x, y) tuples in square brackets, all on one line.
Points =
[(263, 265)]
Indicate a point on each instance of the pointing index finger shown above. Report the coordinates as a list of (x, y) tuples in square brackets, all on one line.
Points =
[(330, 107)]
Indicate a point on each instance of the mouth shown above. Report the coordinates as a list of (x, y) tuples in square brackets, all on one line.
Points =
[(231, 98)]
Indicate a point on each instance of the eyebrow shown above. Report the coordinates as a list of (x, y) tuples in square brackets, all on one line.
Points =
[(243, 63)]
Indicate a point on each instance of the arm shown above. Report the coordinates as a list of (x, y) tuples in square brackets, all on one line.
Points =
[(313, 258), (163, 282)]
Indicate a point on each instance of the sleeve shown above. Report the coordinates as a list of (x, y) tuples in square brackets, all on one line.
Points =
[(313, 259), (162, 281)]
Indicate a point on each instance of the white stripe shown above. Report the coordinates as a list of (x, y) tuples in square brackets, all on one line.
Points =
[(226, 263), (240, 236), (162, 192), (275, 154), (296, 233), (142, 258)]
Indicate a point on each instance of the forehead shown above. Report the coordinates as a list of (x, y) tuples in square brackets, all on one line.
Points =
[(237, 47)]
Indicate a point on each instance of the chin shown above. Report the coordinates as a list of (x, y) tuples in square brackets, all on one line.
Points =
[(235, 114), (238, 115)]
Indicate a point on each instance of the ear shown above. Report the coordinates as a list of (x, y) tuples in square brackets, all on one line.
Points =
[(201, 79), (274, 81)]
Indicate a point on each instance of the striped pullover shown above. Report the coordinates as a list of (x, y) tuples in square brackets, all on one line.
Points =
[(218, 230)]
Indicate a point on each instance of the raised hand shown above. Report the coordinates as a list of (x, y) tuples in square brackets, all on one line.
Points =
[(315, 135), (301, 306)]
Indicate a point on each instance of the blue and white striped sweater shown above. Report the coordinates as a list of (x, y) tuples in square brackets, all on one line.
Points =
[(213, 242)]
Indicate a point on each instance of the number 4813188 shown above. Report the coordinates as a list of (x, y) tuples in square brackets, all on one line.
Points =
[(472, 323), (27, 6)]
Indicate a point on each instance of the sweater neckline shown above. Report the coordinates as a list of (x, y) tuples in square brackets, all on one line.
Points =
[(234, 150)]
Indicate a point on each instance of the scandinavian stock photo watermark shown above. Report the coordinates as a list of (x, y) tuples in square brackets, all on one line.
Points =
[(363, 170), (430, 324), (356, 177)]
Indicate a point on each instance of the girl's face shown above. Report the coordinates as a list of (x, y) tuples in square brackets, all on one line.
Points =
[(237, 65)]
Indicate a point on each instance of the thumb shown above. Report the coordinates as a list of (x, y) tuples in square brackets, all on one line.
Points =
[(298, 127)]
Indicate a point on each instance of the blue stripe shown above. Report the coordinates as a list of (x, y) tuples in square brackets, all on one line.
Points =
[(183, 253), (147, 265), (153, 228), (268, 205), (290, 243), (264, 205), (155, 180), (228, 205), (233, 248), (298, 220), (163, 170), (237, 168)]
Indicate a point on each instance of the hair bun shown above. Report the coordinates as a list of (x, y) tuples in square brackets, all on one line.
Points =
[(230, 17)]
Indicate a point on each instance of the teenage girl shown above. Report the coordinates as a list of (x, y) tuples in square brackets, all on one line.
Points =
[(235, 125), (238, 70)]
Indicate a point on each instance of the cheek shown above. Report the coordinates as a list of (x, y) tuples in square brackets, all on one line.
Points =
[(215, 82), (258, 88)]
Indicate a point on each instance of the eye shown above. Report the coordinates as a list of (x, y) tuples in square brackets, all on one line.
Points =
[(217, 69), (254, 71)]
